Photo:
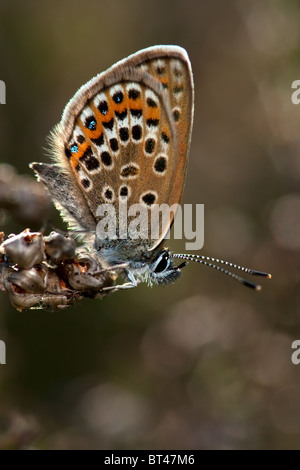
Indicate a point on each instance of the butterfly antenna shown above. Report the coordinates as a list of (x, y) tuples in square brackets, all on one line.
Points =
[(210, 262)]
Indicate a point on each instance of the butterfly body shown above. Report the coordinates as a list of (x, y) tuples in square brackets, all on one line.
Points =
[(140, 263)]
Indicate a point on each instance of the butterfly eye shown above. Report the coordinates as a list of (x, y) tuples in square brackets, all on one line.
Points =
[(162, 262)]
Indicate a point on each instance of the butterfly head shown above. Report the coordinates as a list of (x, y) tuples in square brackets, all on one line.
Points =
[(162, 269)]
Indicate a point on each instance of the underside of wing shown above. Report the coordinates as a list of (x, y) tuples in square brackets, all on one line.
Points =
[(126, 133)]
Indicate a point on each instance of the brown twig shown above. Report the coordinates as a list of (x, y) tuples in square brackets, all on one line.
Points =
[(40, 271)]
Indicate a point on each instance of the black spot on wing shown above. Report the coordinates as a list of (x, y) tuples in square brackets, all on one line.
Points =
[(68, 152), (118, 97), (109, 125), (103, 108), (149, 199), (106, 158), (99, 140), (136, 113), (129, 171), (160, 164), (136, 132), (176, 115), (151, 103), (165, 137), (85, 183), (124, 134), (90, 123), (121, 115), (133, 94), (108, 194), (114, 144), (89, 160), (178, 89), (80, 139), (149, 145), (152, 122), (160, 70), (124, 191)]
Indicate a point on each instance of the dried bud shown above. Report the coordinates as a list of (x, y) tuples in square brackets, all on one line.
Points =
[(20, 298), (59, 247), (85, 273), (25, 249), (31, 281)]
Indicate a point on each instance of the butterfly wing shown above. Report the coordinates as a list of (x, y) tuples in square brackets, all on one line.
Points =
[(126, 133)]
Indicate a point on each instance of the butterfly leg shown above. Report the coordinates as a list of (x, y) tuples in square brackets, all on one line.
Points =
[(128, 285)]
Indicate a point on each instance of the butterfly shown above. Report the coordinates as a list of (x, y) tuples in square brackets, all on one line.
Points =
[(125, 137)]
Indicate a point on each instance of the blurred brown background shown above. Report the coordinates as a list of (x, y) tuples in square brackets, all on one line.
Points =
[(204, 363)]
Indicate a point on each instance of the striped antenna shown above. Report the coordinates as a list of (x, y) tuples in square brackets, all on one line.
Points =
[(210, 262)]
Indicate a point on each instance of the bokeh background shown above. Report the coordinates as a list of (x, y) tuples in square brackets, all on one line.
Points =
[(203, 363)]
